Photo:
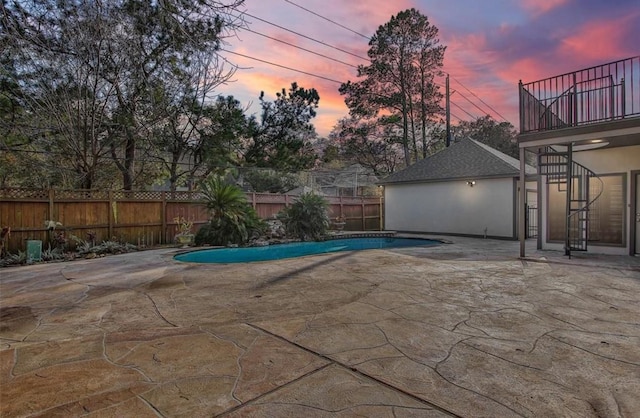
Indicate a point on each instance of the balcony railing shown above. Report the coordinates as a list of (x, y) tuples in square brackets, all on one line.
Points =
[(598, 94)]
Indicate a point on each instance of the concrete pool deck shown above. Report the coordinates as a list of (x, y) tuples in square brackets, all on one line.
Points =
[(463, 329)]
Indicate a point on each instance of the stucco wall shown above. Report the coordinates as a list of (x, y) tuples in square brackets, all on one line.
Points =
[(452, 207), (605, 161)]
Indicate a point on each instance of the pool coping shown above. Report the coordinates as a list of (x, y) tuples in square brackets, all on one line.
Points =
[(330, 237)]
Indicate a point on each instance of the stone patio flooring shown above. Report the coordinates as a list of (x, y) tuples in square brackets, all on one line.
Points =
[(463, 329)]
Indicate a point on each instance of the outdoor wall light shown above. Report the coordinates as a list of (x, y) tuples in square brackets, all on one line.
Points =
[(471, 183)]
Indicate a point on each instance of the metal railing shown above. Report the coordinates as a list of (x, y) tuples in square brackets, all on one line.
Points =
[(598, 94)]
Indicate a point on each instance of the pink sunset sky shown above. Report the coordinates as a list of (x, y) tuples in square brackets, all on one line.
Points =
[(491, 45)]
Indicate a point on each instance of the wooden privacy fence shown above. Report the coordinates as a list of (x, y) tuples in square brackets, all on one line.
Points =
[(144, 218)]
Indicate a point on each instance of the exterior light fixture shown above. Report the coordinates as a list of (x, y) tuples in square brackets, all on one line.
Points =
[(471, 183)]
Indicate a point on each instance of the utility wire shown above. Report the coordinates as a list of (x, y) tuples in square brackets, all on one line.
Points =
[(438, 84), (299, 47), (485, 103), (455, 116), (330, 79), (456, 105), (340, 82), (473, 104), (342, 62), (366, 37), (306, 37), (282, 66), (328, 20)]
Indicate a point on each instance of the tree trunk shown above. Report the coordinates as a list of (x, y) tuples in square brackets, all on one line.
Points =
[(414, 140), (423, 113), (129, 158), (405, 123)]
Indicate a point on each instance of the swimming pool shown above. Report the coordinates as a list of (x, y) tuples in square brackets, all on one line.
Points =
[(298, 249)]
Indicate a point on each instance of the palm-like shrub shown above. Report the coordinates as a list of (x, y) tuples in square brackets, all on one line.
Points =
[(233, 220), (307, 217)]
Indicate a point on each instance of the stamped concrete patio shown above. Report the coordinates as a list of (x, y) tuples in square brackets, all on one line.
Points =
[(463, 329)]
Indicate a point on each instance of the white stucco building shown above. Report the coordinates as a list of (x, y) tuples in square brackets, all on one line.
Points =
[(585, 126), (467, 189)]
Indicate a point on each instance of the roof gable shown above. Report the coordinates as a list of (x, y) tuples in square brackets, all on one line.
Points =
[(462, 160)]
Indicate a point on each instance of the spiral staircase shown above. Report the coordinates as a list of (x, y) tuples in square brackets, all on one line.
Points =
[(582, 186)]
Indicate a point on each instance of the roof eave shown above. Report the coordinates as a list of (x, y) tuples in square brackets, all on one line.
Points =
[(443, 180)]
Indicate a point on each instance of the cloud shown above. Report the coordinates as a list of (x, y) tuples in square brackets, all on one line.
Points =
[(539, 7), (602, 40), (490, 45)]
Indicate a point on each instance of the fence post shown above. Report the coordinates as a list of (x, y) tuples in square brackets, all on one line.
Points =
[(163, 213), (364, 220), (51, 199), (111, 201), (253, 200)]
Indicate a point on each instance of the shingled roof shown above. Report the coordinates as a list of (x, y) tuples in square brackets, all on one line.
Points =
[(462, 160)]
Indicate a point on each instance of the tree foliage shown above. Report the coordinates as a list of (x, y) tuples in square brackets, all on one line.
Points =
[(121, 94), (282, 137), (398, 86), (196, 139), (98, 77), (499, 135), (370, 143), (271, 181)]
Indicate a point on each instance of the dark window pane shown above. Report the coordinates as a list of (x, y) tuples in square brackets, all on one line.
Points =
[(606, 215)]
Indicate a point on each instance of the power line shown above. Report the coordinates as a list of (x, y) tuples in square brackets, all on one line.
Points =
[(455, 116), (366, 37), (306, 37), (328, 20), (456, 105), (347, 52), (282, 66), (485, 103), (464, 97), (299, 47), (473, 104)]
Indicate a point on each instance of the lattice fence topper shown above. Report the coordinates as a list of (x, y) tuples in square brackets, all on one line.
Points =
[(81, 194), (24, 194), (184, 196), (136, 195), (268, 198), (140, 195)]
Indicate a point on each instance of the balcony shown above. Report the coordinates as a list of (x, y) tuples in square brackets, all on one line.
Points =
[(594, 99)]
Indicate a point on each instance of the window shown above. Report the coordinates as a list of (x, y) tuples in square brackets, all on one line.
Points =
[(606, 215)]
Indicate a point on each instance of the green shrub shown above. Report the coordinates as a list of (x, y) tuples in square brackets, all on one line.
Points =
[(14, 259), (52, 254), (233, 220), (307, 217)]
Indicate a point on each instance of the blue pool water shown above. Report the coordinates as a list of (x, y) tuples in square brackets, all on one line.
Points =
[(297, 249)]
